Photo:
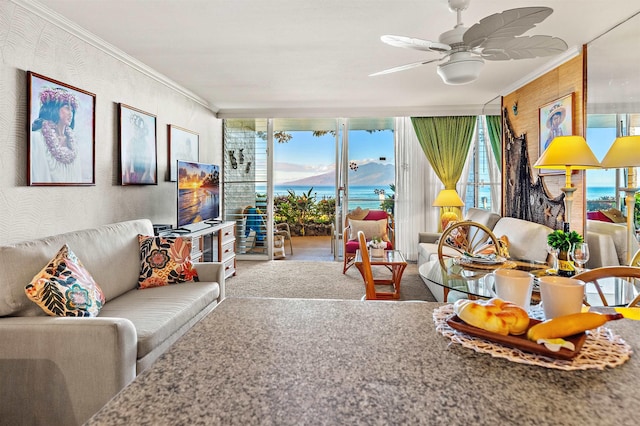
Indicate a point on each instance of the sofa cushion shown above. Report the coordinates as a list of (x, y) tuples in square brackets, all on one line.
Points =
[(157, 313), (110, 252), (65, 288), (527, 240), (483, 217), (370, 228), (164, 261)]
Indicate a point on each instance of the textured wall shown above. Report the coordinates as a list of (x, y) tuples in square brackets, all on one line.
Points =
[(567, 78), (30, 43)]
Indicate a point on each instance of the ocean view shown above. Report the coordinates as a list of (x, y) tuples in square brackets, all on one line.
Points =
[(363, 196)]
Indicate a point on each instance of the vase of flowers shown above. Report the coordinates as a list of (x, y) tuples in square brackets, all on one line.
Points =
[(563, 241), (377, 246)]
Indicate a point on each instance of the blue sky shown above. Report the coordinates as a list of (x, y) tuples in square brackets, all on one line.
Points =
[(306, 155)]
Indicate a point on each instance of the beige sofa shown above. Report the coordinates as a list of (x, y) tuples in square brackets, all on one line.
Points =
[(57, 370), (527, 240)]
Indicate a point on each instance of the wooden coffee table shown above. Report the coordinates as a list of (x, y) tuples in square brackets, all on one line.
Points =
[(396, 263)]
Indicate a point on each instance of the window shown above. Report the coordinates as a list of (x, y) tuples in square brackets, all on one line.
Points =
[(481, 176)]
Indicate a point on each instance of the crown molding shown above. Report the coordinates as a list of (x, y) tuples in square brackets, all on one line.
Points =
[(418, 111), (76, 30), (553, 64)]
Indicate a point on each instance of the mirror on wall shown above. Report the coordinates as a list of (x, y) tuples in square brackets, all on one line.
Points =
[(613, 105)]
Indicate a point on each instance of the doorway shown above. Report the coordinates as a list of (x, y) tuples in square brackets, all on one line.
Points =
[(318, 170)]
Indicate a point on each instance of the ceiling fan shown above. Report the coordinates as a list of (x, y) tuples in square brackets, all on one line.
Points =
[(494, 38)]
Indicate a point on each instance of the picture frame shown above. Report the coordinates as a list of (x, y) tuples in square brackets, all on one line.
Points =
[(555, 119), (138, 144), (183, 145), (61, 133)]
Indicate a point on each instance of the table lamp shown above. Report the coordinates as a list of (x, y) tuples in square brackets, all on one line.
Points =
[(567, 153), (449, 202), (625, 152)]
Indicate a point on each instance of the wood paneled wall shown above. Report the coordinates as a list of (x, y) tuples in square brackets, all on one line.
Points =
[(568, 78)]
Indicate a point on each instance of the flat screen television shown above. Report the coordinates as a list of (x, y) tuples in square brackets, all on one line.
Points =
[(198, 194)]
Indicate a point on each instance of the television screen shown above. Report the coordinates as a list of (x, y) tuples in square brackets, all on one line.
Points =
[(198, 192)]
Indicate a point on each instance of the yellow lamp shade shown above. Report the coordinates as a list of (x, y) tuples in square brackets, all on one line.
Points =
[(448, 198), (567, 152), (624, 152)]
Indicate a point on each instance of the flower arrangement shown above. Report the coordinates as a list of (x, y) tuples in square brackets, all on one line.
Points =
[(563, 241), (377, 243)]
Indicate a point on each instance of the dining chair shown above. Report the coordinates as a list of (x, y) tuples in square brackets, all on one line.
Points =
[(369, 282), (596, 274), (466, 237)]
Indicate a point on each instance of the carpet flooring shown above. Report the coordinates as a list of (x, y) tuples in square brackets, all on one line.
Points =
[(314, 280)]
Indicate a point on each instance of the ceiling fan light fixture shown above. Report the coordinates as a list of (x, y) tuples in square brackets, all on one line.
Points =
[(460, 71)]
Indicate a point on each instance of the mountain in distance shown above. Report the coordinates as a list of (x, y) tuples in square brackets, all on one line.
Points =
[(366, 175)]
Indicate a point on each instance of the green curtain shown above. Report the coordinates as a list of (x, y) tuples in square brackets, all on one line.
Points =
[(445, 141), (494, 125)]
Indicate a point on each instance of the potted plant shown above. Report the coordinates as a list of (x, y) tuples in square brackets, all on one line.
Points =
[(377, 246), (562, 242)]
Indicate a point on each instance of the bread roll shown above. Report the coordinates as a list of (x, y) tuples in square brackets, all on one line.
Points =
[(494, 315)]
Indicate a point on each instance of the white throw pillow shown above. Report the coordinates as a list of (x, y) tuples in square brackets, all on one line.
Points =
[(371, 229)]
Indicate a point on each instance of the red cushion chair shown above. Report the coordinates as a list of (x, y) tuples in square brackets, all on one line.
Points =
[(350, 233)]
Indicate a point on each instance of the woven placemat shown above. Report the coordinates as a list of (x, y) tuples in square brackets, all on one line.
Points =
[(601, 349)]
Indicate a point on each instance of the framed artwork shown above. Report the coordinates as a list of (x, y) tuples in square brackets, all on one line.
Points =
[(556, 119), (61, 148), (183, 145), (138, 147)]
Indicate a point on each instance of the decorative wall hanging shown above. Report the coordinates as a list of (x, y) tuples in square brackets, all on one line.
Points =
[(523, 198), (183, 145), (555, 119), (138, 147), (61, 133)]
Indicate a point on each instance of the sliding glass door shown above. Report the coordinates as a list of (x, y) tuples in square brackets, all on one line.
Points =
[(306, 172)]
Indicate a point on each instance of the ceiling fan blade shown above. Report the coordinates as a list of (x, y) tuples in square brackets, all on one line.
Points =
[(523, 48), (414, 43), (505, 25), (405, 67)]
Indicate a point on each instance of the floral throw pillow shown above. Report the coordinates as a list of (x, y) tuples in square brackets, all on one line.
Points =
[(164, 261), (65, 288)]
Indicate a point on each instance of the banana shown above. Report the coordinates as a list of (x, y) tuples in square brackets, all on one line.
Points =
[(568, 325)]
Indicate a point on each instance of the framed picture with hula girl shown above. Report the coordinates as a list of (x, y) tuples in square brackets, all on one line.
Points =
[(556, 119), (138, 147), (61, 148)]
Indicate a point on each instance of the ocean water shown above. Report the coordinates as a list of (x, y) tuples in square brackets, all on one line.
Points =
[(597, 192)]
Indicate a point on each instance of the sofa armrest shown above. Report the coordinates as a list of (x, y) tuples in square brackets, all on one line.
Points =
[(58, 370), (428, 237), (212, 272)]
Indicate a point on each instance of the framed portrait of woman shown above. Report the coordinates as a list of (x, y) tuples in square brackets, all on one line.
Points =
[(556, 119), (138, 146), (61, 148), (183, 145)]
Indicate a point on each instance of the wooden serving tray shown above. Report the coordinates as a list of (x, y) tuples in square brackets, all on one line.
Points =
[(519, 342)]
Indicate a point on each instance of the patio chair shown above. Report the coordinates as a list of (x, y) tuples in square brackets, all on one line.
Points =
[(283, 230), (373, 223)]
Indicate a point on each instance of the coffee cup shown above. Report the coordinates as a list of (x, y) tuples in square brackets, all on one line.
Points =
[(561, 295), (512, 285)]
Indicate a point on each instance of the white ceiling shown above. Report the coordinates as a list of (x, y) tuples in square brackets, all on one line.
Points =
[(297, 58)]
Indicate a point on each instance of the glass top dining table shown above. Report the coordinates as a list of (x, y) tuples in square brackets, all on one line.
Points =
[(460, 280)]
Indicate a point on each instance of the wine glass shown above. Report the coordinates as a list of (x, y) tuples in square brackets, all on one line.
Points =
[(580, 254)]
